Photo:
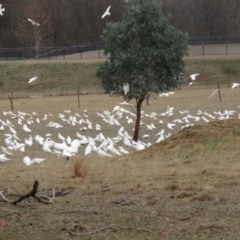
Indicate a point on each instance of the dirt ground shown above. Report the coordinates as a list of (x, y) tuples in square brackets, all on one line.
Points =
[(185, 187)]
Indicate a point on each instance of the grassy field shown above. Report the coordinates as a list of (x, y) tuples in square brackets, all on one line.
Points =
[(186, 187), (54, 76)]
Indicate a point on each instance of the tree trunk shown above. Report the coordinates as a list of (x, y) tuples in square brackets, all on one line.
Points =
[(137, 124)]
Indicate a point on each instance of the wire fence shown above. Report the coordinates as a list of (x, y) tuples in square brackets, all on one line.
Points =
[(220, 45), (222, 90), (227, 48), (213, 40), (90, 50)]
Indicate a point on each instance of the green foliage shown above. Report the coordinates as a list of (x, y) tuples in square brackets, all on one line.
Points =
[(2, 86), (229, 70), (144, 51)]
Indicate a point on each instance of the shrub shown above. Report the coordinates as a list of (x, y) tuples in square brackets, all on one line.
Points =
[(80, 169)]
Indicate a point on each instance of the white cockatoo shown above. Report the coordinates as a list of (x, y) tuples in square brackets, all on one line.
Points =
[(193, 76), (126, 88), (32, 79), (107, 12), (1, 9), (33, 22)]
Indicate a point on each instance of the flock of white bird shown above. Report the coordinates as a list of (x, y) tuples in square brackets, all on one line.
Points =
[(158, 126), (155, 127)]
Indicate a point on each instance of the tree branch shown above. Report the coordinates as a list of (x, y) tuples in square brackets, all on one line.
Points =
[(32, 193), (109, 227)]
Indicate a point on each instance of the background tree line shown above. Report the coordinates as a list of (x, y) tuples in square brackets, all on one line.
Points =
[(73, 22)]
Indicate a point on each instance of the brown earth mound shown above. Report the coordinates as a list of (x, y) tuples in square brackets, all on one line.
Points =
[(196, 136), (186, 187)]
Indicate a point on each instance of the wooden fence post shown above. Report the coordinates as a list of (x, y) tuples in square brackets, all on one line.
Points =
[(219, 93)]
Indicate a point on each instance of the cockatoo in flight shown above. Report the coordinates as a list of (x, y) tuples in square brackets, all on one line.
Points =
[(1, 9), (107, 12), (235, 85), (33, 22), (32, 79), (193, 76), (190, 83)]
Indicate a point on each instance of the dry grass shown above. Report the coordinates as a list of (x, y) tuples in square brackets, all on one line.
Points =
[(175, 189), (186, 187)]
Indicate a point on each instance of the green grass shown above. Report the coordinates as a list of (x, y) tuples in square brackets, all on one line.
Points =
[(216, 143), (210, 70), (58, 77), (53, 76)]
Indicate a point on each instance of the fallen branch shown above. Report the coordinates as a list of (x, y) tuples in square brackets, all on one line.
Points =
[(109, 227), (6, 191), (44, 179), (32, 193), (57, 194), (14, 190), (81, 211)]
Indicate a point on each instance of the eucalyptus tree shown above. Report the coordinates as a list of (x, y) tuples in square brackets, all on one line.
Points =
[(144, 52)]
